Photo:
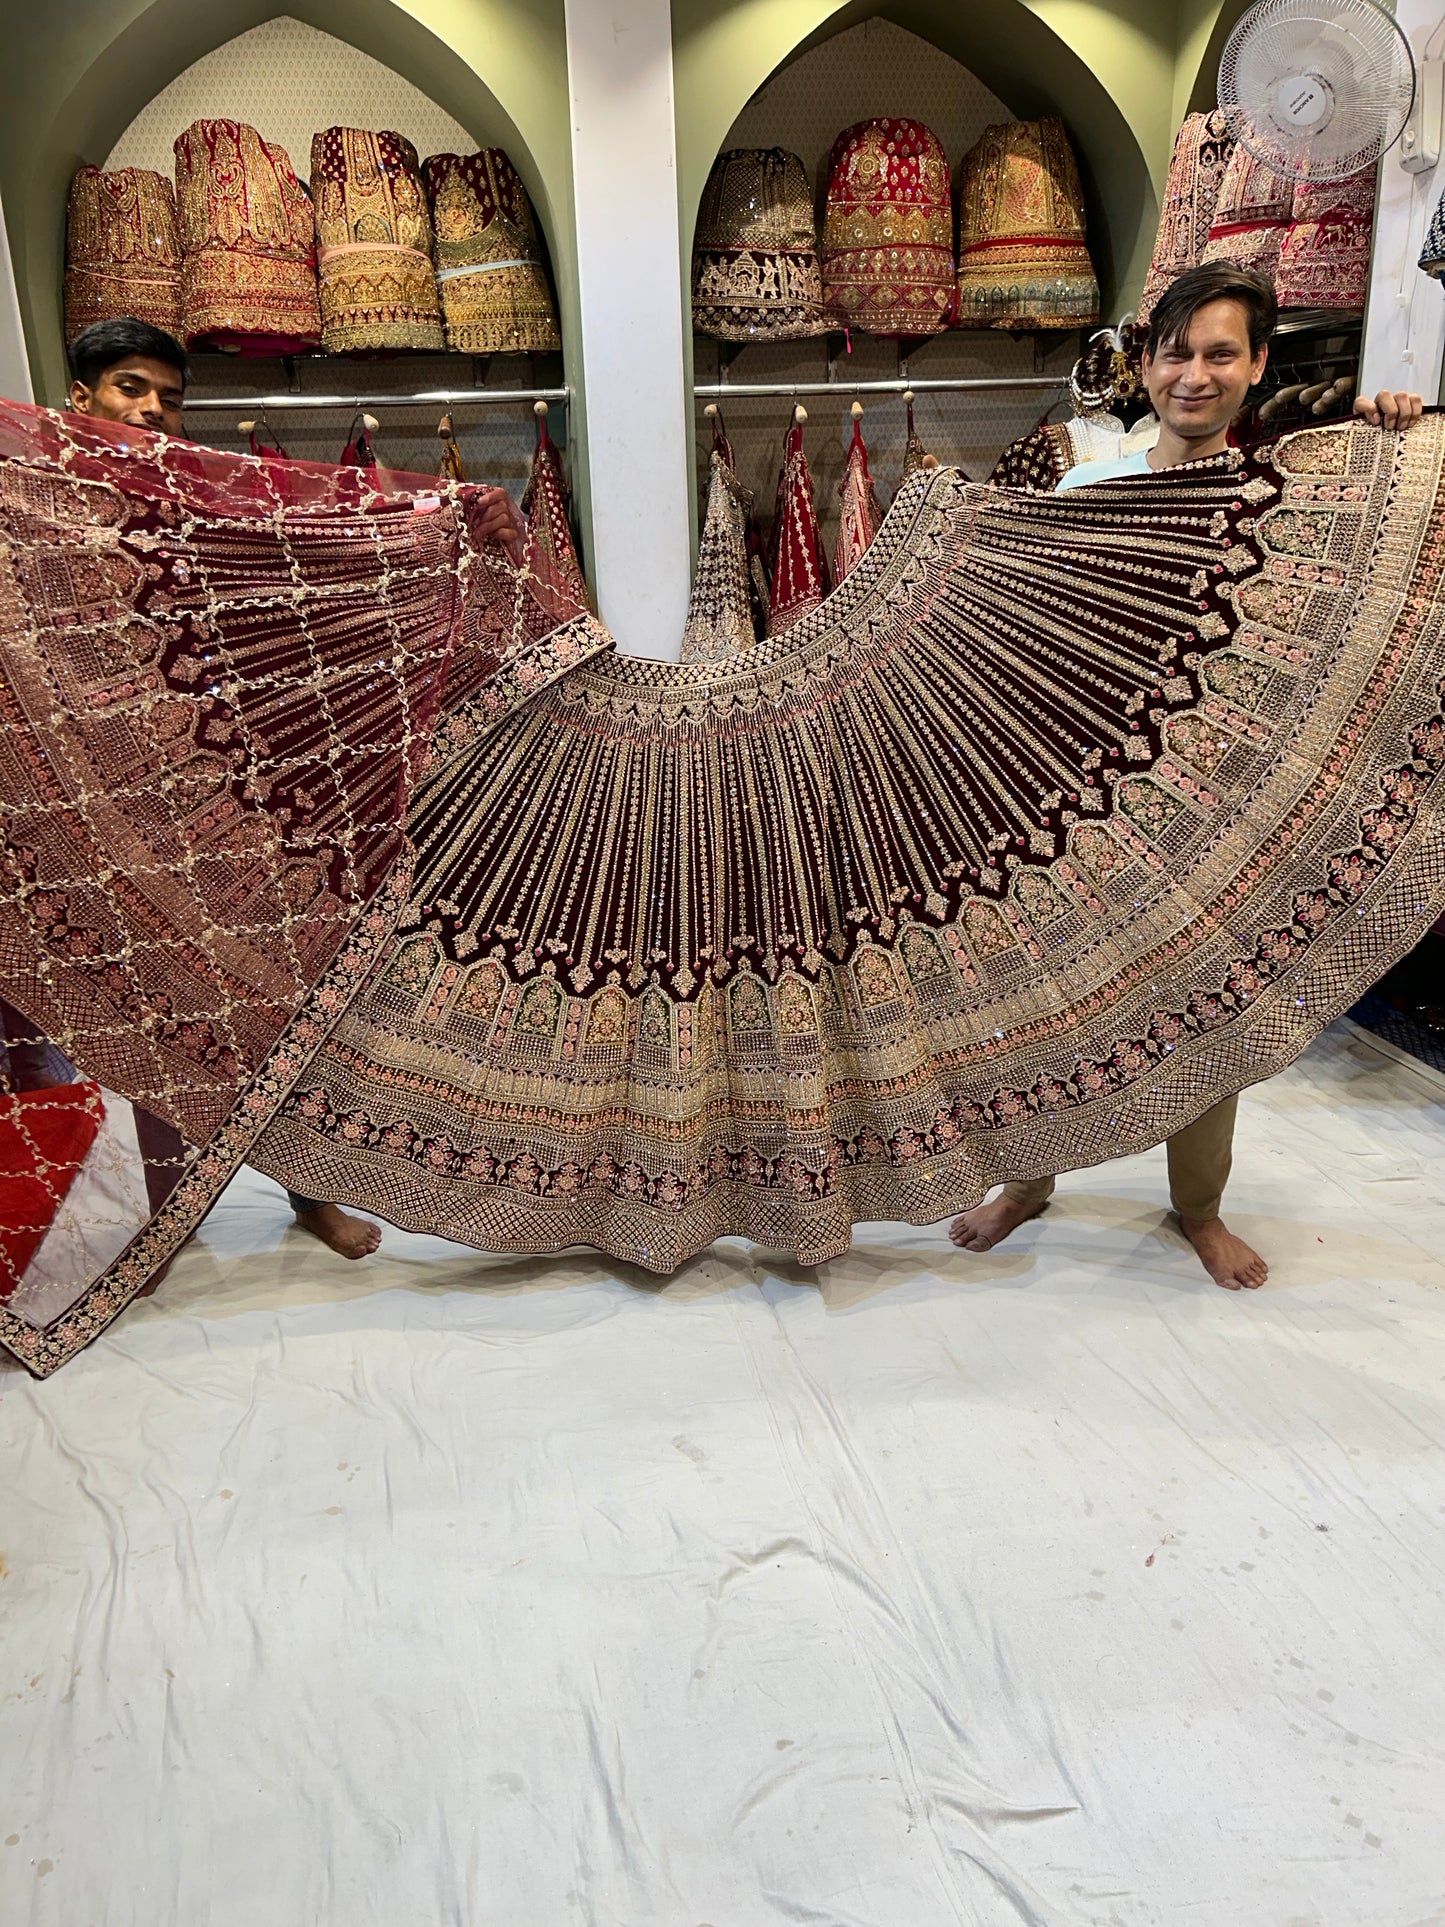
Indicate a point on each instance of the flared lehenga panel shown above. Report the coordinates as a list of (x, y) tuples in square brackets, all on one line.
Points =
[(221, 679), (1061, 818)]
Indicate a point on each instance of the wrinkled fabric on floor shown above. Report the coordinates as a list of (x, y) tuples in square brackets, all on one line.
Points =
[(921, 1590)]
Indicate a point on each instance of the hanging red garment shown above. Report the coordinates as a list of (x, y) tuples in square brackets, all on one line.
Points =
[(358, 452), (861, 513), (546, 503), (799, 567), (271, 451)]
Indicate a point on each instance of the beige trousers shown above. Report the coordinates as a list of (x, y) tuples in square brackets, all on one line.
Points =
[(1199, 1161)]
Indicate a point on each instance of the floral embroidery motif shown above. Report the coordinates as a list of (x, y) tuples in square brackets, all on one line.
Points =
[(654, 1023), (538, 1016), (481, 991), (1199, 741), (877, 983), (413, 966), (1039, 898), (1292, 531), (1235, 676), (1148, 806), (924, 957), (607, 1020), (793, 1003), (748, 1007)]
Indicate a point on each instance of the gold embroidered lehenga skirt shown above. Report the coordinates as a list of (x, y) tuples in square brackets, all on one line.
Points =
[(1059, 819), (122, 250)]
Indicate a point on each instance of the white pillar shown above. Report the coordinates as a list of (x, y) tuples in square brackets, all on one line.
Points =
[(629, 258), (15, 382), (1405, 310)]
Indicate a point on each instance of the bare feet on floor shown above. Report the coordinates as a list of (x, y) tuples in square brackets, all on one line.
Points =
[(989, 1224), (1228, 1260), (347, 1236)]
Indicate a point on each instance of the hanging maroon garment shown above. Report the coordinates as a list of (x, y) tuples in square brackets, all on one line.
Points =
[(915, 455), (799, 567), (271, 451), (759, 586), (720, 443), (358, 452), (546, 503), (861, 513)]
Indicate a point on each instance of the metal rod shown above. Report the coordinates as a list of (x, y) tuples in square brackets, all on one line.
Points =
[(447, 397), (741, 390)]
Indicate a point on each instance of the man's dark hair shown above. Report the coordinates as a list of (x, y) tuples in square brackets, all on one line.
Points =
[(104, 343), (1214, 281)]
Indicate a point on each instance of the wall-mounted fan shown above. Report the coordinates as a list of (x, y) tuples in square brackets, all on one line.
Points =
[(1317, 89)]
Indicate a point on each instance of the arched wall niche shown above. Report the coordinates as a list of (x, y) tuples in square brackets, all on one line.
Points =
[(1112, 68), (289, 79), (90, 66)]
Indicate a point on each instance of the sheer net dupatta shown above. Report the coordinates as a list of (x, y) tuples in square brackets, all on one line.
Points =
[(220, 679)]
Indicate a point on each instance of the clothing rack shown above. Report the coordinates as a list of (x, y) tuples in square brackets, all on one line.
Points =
[(445, 397), (962, 384)]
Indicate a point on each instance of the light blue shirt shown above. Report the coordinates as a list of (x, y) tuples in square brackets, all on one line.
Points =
[(1107, 469)]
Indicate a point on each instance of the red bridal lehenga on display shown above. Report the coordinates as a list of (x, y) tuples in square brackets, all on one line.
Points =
[(797, 565), (1057, 820), (859, 514), (547, 505)]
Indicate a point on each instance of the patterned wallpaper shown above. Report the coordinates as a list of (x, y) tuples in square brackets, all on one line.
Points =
[(873, 70), (287, 80)]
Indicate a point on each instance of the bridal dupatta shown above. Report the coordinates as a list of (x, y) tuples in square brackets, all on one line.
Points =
[(1059, 819), (219, 678)]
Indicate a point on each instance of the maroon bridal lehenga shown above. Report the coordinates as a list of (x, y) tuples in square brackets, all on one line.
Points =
[(338, 842)]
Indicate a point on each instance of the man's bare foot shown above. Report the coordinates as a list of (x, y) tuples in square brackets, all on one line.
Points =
[(1228, 1260), (989, 1224), (348, 1237)]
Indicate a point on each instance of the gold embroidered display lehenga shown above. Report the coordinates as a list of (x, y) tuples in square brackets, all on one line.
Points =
[(1057, 820)]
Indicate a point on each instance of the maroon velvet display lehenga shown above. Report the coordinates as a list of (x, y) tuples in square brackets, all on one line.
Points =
[(342, 844)]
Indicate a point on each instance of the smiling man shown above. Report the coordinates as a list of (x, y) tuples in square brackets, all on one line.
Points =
[(1208, 346)]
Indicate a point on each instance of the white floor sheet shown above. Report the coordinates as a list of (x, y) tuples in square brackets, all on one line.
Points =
[(927, 1590)]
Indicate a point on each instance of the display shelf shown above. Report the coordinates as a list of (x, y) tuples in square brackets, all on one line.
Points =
[(409, 398), (903, 384), (414, 379)]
